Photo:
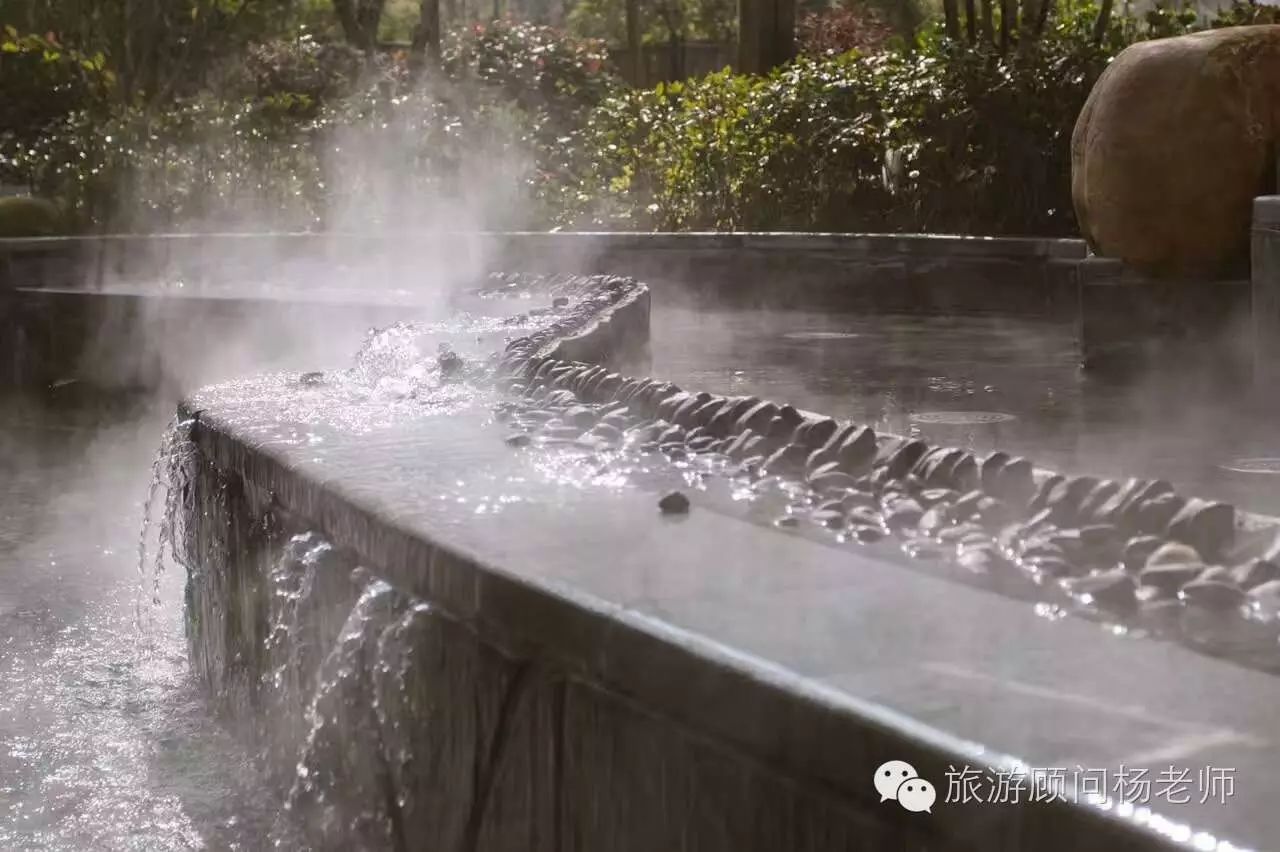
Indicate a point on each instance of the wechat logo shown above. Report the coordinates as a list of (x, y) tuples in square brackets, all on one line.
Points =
[(898, 780)]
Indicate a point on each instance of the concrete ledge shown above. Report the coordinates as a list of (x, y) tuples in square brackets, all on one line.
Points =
[(1129, 322), (918, 273), (756, 642)]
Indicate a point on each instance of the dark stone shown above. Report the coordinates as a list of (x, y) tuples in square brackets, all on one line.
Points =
[(1040, 500), (701, 443), (1051, 567), (790, 416), (667, 408), (1153, 515), (832, 519), (672, 434), (989, 470), (1170, 567), (935, 520), (967, 506), (1015, 483), (904, 458), (818, 460), (985, 560), (867, 535), (1094, 500), (674, 503), (1131, 509), (703, 414), (858, 450), (903, 513), (953, 535), (683, 414), (1255, 573), (520, 440), (1137, 550), (817, 432), (1113, 590), (1101, 543), (864, 516), (832, 480), (938, 471), (789, 458), (964, 473), (579, 416), (311, 379), (1208, 527), (1212, 594), (780, 428), (1065, 499), (757, 417), (787, 521)]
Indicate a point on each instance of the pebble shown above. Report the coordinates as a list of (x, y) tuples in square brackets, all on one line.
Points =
[(1113, 590), (1207, 526), (674, 503), (903, 458), (1153, 515), (866, 535), (1255, 573), (1212, 594), (1137, 550), (519, 440)]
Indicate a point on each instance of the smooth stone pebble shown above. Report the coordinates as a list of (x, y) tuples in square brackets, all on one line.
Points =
[(865, 516), (1207, 526), (867, 535), (1138, 549), (1255, 573), (1114, 590), (1169, 577), (829, 518), (832, 480), (520, 440), (787, 521), (1153, 515), (902, 514), (1212, 594), (674, 503), (1173, 553), (955, 534)]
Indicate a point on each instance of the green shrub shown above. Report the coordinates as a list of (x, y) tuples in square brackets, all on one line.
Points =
[(24, 216), (943, 137)]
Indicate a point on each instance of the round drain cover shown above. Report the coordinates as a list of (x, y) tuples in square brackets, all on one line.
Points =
[(1256, 465), (961, 418), (821, 335)]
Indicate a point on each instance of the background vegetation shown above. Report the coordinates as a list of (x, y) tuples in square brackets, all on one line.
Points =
[(297, 114)]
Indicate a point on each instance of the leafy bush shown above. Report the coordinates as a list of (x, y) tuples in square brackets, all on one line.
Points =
[(41, 83), (944, 137), (23, 216)]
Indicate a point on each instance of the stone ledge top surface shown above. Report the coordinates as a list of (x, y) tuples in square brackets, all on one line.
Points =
[(910, 244), (821, 659)]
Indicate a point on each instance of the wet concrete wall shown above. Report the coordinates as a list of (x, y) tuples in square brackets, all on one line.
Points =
[(401, 725)]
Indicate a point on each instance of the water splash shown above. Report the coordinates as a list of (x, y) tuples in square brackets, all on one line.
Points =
[(343, 787), (169, 477)]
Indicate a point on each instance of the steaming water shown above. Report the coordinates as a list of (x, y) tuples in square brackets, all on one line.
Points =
[(105, 742), (906, 374)]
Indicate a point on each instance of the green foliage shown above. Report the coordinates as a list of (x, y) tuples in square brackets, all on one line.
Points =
[(41, 81), (943, 137), (307, 135), (23, 216)]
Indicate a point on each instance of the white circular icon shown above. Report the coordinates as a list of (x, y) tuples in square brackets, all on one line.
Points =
[(889, 778), (916, 795)]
